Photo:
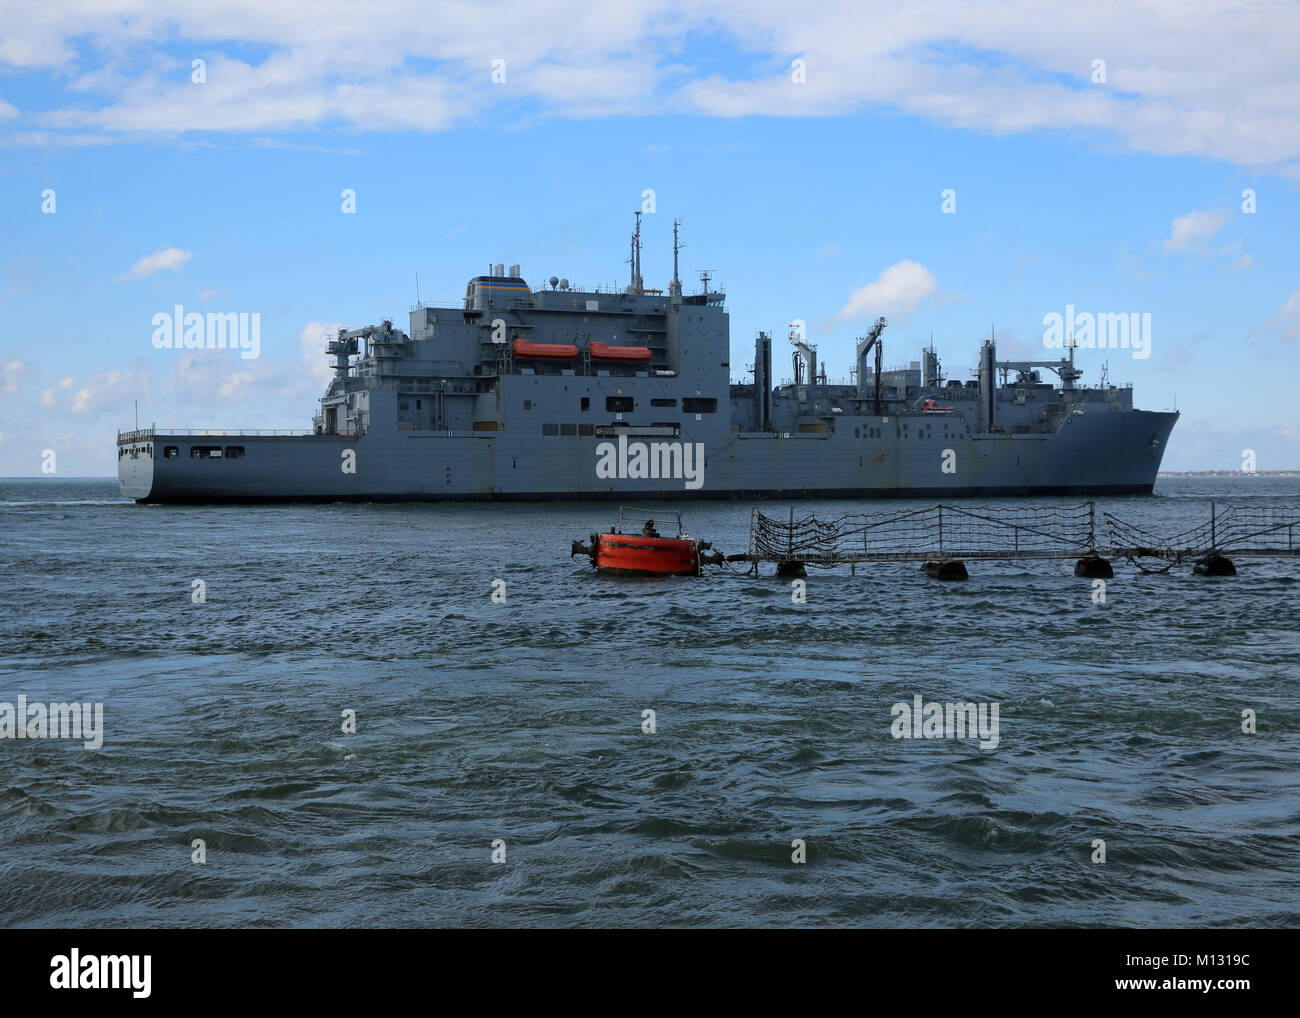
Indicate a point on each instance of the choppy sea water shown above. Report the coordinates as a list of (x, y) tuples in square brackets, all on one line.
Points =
[(522, 722)]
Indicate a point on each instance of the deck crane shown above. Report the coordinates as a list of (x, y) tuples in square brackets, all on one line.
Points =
[(865, 344)]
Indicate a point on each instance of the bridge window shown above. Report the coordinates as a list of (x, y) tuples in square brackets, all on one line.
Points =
[(619, 404), (550, 429), (586, 403), (663, 402), (699, 405), (234, 452), (205, 452), (568, 429)]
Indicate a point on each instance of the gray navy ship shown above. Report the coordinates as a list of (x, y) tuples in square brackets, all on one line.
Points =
[(558, 392)]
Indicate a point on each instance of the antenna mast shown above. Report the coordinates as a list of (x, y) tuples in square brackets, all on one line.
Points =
[(676, 288), (637, 284)]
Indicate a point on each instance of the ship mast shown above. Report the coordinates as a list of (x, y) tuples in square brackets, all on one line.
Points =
[(636, 284), (675, 287)]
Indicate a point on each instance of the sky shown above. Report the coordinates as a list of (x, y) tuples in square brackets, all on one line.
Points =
[(962, 169)]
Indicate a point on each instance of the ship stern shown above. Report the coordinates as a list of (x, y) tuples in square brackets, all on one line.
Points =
[(135, 463)]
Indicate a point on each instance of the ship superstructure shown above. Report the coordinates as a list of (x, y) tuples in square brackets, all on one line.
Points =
[(560, 392)]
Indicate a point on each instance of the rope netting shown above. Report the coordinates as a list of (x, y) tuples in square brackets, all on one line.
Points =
[(942, 531), (946, 531), (1239, 529)]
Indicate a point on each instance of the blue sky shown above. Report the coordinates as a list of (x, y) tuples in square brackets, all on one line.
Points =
[(818, 199)]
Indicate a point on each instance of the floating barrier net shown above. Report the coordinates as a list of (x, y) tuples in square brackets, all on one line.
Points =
[(1015, 532), (1241, 530), (937, 532)]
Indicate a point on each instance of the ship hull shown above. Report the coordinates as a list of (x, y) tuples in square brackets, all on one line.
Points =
[(1115, 453)]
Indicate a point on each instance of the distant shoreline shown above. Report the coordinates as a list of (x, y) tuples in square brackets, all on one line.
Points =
[(1228, 473)]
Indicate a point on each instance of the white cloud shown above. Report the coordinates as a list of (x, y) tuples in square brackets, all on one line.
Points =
[(49, 395), (1208, 445), (110, 390), (312, 343), (1194, 228), (200, 378), (170, 258), (897, 291), (238, 385), (11, 374), (1286, 323), (1198, 77), (213, 384)]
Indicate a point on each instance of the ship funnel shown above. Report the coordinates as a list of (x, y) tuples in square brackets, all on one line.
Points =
[(499, 269), (763, 380), (988, 386), (514, 271)]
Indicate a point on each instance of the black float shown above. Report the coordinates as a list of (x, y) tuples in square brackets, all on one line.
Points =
[(946, 569), (1094, 567)]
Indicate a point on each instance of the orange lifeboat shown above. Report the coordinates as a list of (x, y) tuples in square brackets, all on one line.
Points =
[(605, 352), (633, 548), (640, 554), (554, 351)]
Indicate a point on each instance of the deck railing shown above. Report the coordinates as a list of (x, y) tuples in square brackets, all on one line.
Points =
[(146, 434)]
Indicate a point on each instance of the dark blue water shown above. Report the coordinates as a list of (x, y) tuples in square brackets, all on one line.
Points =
[(522, 722)]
